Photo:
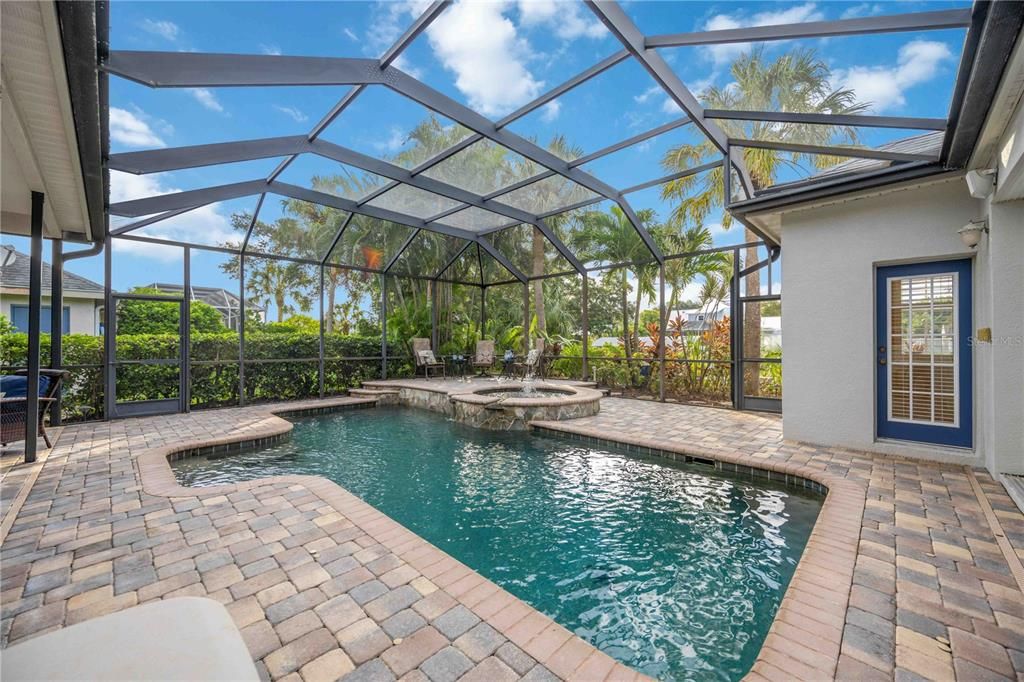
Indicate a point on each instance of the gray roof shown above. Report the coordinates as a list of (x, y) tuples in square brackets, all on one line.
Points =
[(218, 297), (929, 144), (15, 276)]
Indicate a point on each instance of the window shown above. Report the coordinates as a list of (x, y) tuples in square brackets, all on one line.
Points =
[(19, 318)]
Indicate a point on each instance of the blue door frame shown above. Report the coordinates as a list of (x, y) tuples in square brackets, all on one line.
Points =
[(961, 435)]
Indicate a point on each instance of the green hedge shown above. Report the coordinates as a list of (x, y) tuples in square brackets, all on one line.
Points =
[(214, 369)]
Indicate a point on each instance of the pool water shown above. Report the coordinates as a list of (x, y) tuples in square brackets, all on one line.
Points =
[(675, 570)]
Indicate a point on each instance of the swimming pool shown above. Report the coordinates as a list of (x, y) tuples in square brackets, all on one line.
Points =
[(675, 570)]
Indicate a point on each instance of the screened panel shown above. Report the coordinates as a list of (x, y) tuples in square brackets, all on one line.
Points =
[(616, 104), (476, 219), (529, 250), (330, 177), (493, 272), (388, 126), (504, 308), (466, 267), (427, 254), (223, 223), (369, 242), (458, 319), (296, 228), (413, 201), (548, 195), (646, 160), (484, 167), (214, 323)]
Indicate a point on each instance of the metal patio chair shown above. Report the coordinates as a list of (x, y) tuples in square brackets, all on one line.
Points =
[(484, 358), (424, 358), (14, 404)]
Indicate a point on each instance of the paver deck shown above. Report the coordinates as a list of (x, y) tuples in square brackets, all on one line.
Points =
[(903, 577)]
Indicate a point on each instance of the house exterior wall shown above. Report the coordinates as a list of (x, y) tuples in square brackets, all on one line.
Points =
[(84, 319), (831, 255)]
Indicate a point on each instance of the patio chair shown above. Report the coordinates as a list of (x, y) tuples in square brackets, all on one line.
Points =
[(424, 357), (14, 413), (529, 364), (484, 358)]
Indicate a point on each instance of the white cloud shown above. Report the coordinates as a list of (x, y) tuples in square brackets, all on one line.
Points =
[(395, 140), (168, 30), (131, 130), (294, 112), (270, 49), (549, 112), (207, 99), (566, 19), (885, 86), (351, 34), (204, 225), (669, 106), (482, 48), (864, 9), (647, 94), (725, 54)]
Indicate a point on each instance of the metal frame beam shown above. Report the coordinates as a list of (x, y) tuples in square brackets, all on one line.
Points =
[(850, 152), (619, 23), (486, 245), (893, 23), (176, 158), (337, 238), (861, 121), (153, 219), (401, 250)]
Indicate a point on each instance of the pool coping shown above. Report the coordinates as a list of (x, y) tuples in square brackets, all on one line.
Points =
[(569, 659), (805, 637)]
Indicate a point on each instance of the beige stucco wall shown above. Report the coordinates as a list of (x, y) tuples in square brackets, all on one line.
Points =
[(84, 315), (828, 369)]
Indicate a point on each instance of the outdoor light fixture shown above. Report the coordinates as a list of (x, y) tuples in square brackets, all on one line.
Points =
[(971, 232)]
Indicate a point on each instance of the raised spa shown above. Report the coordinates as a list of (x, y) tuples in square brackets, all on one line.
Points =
[(675, 570)]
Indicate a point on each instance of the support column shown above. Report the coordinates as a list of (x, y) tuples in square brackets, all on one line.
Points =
[(109, 334), (56, 320), (35, 305), (185, 334), (241, 329), (432, 289), (383, 326), (320, 372), (526, 318), (661, 332), (585, 315), (736, 332)]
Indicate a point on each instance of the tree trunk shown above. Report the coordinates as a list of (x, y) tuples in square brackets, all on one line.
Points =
[(538, 284), (751, 322), (279, 302)]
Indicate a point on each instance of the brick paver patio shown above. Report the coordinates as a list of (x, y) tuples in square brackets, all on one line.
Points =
[(904, 576)]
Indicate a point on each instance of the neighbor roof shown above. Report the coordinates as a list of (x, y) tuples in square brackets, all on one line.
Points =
[(16, 276)]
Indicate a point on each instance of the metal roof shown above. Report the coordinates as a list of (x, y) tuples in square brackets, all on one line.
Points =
[(438, 206)]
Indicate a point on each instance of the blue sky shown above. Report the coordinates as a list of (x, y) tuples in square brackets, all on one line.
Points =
[(493, 56)]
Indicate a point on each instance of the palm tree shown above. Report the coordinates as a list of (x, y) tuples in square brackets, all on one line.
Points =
[(796, 82), (612, 237)]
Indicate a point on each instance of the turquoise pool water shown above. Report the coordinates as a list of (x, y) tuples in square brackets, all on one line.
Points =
[(674, 570)]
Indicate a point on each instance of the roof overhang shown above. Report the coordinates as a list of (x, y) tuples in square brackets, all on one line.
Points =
[(51, 118)]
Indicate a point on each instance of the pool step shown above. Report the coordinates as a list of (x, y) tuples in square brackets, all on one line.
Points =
[(384, 396)]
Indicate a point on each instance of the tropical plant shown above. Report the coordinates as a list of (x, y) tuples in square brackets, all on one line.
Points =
[(798, 82)]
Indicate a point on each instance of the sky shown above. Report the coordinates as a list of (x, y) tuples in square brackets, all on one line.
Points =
[(492, 56)]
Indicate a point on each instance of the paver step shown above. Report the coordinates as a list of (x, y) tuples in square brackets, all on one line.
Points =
[(372, 392)]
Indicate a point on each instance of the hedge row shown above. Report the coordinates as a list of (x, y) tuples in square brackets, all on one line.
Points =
[(214, 369)]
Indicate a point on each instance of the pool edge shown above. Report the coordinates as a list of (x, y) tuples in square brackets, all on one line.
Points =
[(567, 659)]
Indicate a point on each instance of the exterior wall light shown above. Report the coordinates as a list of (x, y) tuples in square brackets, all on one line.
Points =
[(971, 233)]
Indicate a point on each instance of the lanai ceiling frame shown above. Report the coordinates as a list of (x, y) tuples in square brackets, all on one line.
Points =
[(156, 69)]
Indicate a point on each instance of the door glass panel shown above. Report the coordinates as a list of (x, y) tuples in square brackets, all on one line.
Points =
[(922, 342)]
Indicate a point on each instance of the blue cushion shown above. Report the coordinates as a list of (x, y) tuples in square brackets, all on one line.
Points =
[(14, 385)]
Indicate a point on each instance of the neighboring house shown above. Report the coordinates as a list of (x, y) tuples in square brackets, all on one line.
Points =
[(83, 298), (699, 320), (226, 303)]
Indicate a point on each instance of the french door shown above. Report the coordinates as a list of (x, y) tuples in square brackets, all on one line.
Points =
[(923, 355)]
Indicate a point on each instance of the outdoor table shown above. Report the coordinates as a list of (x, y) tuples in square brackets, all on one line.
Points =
[(458, 365)]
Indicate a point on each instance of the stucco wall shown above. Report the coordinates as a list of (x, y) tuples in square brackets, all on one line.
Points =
[(83, 316), (828, 372)]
